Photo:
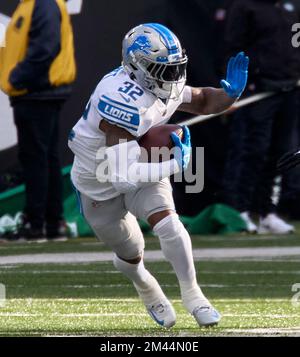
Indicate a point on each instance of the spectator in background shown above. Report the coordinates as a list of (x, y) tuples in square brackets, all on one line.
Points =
[(290, 187), (37, 67), (262, 28)]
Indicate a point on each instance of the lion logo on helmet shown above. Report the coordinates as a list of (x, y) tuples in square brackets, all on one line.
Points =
[(142, 44)]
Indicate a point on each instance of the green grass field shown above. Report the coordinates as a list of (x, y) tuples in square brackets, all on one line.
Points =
[(254, 295)]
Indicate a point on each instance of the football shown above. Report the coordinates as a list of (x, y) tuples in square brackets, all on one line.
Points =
[(160, 136), (156, 138)]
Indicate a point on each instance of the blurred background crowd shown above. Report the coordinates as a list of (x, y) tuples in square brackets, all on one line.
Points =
[(241, 147)]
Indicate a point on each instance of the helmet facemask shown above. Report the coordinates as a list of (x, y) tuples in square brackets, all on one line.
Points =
[(169, 78), (165, 80)]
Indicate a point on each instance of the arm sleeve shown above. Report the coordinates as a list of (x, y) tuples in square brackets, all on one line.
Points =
[(187, 95), (127, 174), (44, 45)]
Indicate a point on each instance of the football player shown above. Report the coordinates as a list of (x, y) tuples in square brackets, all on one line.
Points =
[(144, 92)]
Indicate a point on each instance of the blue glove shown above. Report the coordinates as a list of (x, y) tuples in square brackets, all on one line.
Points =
[(183, 148), (237, 75)]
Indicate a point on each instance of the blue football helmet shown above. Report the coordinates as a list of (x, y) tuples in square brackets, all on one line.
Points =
[(154, 58)]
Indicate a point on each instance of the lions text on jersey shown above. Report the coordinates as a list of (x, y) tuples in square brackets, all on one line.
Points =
[(122, 102)]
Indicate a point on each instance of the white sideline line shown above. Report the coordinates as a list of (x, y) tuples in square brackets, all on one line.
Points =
[(40, 272), (17, 314), (124, 301), (101, 286), (100, 272), (260, 260), (152, 255), (295, 331), (121, 285)]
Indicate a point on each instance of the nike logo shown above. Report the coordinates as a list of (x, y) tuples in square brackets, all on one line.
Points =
[(160, 322), (216, 314), (126, 99)]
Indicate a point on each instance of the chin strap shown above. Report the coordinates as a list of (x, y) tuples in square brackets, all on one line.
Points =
[(132, 76)]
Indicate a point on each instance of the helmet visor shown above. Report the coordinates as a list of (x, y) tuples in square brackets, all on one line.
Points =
[(168, 72)]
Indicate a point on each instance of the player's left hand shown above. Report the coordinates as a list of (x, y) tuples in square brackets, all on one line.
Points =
[(288, 161), (183, 148), (237, 75)]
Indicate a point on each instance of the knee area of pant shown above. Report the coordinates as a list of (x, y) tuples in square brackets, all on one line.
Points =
[(130, 250), (125, 264), (133, 261)]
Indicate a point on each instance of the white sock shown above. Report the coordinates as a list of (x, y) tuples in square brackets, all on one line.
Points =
[(145, 283), (177, 248), (192, 295)]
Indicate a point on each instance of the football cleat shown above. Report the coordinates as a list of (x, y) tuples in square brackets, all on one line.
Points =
[(163, 313), (275, 225), (250, 225), (206, 315)]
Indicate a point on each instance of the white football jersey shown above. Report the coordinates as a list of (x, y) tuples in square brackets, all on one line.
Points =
[(122, 102)]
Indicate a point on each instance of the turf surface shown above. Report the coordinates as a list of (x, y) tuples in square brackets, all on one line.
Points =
[(91, 245), (254, 297)]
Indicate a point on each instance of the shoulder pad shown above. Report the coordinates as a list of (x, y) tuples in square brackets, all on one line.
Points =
[(117, 111)]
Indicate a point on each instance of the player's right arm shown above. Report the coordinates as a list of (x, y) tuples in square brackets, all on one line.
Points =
[(122, 123), (114, 133), (123, 153)]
